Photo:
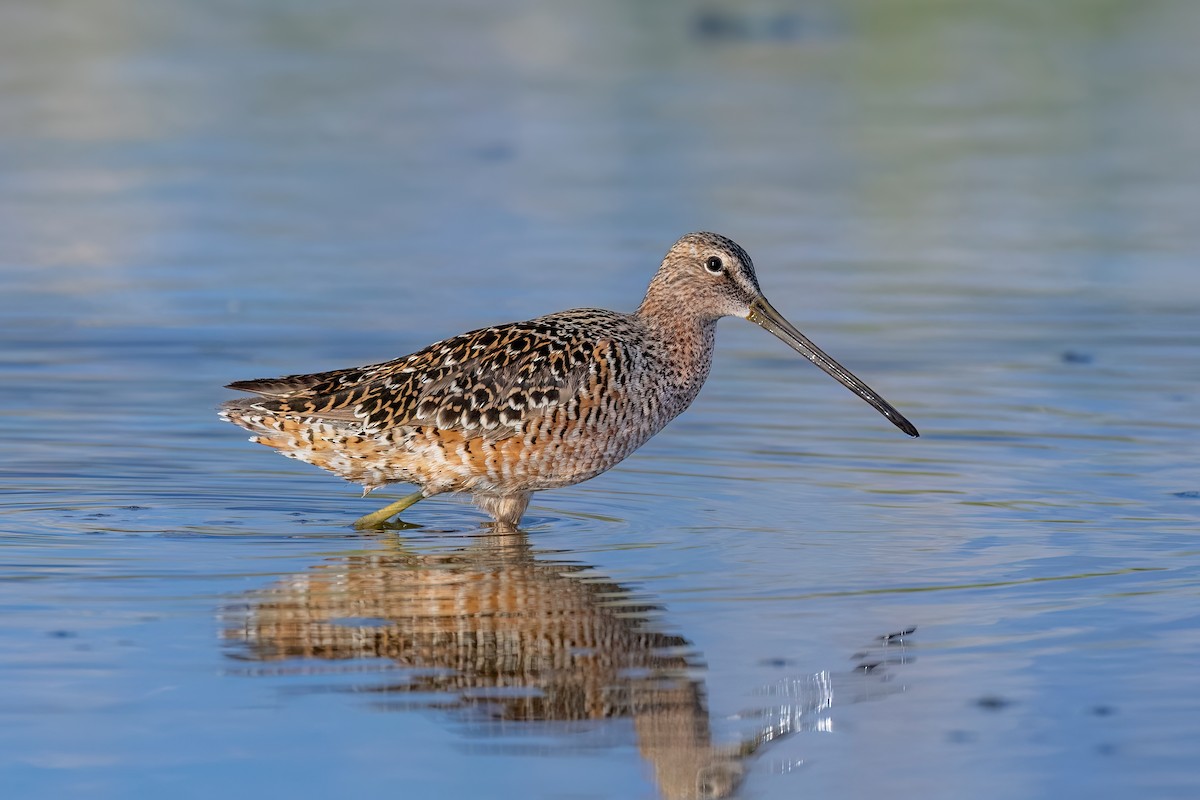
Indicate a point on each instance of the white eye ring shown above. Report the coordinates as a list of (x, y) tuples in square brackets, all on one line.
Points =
[(715, 265)]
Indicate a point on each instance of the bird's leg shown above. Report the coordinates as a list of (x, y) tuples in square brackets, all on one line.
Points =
[(507, 509), (377, 518)]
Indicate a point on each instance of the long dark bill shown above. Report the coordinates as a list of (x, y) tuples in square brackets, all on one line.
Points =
[(764, 314)]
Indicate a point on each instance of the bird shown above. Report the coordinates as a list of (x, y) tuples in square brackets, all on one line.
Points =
[(508, 410)]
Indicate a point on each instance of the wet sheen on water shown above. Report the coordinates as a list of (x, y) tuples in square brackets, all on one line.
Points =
[(987, 215)]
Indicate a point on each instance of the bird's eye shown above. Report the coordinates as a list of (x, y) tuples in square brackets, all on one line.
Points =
[(714, 265)]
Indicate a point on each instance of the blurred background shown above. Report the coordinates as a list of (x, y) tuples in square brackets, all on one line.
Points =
[(987, 210)]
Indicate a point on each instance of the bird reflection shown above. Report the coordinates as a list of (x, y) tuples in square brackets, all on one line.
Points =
[(507, 636)]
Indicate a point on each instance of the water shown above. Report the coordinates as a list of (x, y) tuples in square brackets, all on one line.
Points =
[(986, 211)]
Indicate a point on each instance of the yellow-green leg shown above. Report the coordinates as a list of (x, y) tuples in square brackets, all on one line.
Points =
[(377, 518)]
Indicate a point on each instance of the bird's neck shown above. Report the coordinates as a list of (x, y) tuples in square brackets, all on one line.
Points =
[(667, 305), (685, 337)]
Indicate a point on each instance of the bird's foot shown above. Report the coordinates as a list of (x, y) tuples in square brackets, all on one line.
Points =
[(376, 519)]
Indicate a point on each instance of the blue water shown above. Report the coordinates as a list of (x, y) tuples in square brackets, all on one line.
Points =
[(985, 211)]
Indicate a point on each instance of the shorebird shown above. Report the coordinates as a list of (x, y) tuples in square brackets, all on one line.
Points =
[(505, 411)]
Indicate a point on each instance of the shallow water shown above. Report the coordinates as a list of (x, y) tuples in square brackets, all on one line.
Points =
[(987, 214)]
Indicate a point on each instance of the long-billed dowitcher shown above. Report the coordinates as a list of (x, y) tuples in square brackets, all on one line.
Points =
[(505, 411)]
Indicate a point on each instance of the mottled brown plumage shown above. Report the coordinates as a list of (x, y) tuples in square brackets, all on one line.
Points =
[(504, 411)]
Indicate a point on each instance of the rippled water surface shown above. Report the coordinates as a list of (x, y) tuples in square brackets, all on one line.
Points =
[(986, 211)]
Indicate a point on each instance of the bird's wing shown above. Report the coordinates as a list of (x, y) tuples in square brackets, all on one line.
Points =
[(316, 383), (487, 382)]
